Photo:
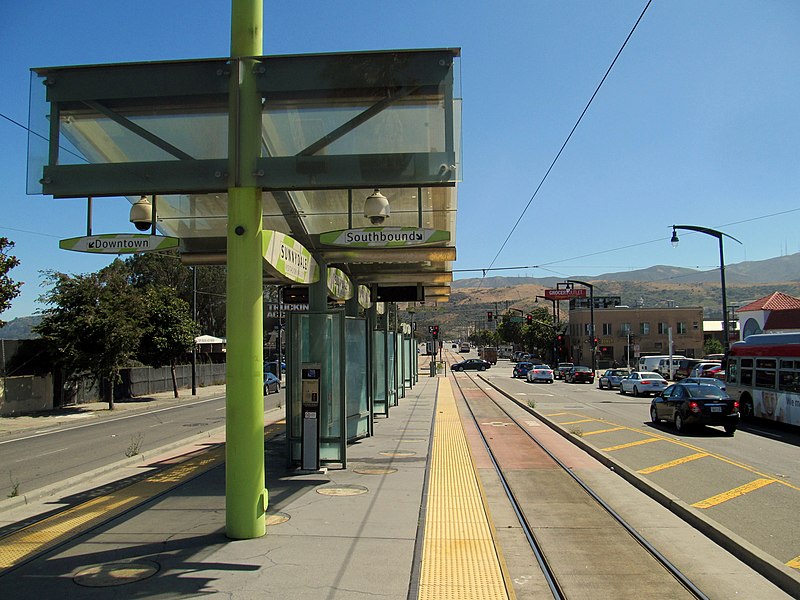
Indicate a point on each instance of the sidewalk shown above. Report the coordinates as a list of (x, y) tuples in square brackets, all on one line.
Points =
[(344, 533)]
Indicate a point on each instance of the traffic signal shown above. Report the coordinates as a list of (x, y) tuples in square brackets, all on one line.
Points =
[(529, 319), (435, 331), (489, 316)]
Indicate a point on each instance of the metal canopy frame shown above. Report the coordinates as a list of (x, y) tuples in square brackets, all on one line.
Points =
[(330, 122)]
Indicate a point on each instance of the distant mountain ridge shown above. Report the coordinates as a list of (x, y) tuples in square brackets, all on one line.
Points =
[(779, 269)]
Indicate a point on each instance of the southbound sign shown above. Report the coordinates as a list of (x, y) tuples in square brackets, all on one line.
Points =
[(119, 243), (384, 237)]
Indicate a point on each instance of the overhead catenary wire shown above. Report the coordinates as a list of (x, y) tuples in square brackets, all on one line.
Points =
[(572, 131)]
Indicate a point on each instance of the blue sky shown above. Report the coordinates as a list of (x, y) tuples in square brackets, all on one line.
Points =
[(698, 122)]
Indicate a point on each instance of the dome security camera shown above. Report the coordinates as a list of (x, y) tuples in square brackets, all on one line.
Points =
[(142, 214), (376, 208)]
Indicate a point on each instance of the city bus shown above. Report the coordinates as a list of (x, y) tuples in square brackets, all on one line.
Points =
[(763, 373)]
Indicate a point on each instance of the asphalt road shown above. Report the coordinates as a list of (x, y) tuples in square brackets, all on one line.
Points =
[(37, 458), (749, 483)]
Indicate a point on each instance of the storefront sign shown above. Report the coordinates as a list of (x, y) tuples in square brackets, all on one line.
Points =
[(565, 294)]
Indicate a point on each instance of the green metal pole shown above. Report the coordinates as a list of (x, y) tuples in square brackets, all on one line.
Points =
[(245, 493)]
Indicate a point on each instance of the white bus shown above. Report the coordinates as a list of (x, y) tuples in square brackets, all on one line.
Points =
[(763, 373)]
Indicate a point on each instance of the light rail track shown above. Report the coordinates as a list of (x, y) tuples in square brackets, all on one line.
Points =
[(658, 577)]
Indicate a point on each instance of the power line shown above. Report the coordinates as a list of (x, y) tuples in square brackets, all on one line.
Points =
[(566, 141), (31, 131)]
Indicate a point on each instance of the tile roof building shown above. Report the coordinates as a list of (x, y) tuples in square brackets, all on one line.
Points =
[(776, 313)]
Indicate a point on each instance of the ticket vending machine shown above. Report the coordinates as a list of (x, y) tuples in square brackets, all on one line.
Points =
[(310, 395)]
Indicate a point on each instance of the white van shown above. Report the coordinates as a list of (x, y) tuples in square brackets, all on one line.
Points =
[(663, 367), (650, 363)]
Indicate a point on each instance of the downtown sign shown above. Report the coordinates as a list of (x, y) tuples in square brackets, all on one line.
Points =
[(119, 243)]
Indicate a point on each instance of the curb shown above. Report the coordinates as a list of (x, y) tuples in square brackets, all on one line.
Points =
[(758, 560)]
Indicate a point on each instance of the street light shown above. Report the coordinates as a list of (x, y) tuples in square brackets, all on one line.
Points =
[(718, 235), (591, 317)]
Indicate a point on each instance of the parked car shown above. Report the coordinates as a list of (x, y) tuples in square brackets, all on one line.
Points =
[(579, 373), (687, 404), (271, 383), (471, 364), (707, 380), (642, 382), (685, 367), (540, 373), (521, 369), (611, 378), (704, 369), (558, 372)]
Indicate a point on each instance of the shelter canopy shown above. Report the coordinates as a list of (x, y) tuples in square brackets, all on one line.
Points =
[(333, 128)]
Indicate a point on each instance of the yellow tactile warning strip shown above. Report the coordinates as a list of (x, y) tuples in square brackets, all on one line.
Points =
[(459, 555), (48, 533)]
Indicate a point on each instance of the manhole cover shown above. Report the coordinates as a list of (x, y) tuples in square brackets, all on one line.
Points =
[(375, 470), (398, 453), (112, 574), (342, 490), (277, 518)]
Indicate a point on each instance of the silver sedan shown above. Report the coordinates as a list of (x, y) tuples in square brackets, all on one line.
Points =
[(540, 373)]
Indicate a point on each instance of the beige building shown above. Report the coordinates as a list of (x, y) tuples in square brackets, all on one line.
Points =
[(623, 333)]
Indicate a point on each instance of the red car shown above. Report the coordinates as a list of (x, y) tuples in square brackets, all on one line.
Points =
[(579, 374)]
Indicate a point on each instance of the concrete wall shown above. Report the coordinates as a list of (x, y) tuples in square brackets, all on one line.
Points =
[(25, 394)]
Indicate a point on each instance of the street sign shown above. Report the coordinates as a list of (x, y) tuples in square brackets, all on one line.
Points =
[(384, 237), (119, 243), (565, 294)]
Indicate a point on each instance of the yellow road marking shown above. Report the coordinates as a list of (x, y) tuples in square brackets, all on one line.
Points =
[(794, 563), (673, 463), (734, 493), (631, 444), (683, 444), (585, 433), (576, 422)]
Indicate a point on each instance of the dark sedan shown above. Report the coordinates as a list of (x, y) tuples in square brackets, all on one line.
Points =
[(687, 404), (471, 364), (579, 374)]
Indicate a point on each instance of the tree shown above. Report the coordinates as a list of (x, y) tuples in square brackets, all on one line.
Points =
[(509, 331), (9, 289), (539, 335), (168, 330), (483, 338), (712, 346), (164, 269), (91, 325)]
